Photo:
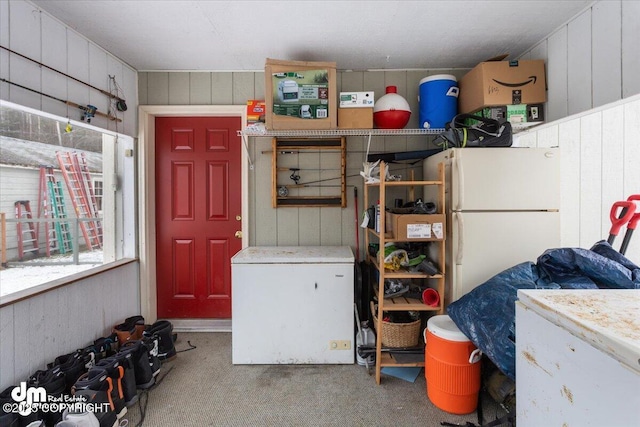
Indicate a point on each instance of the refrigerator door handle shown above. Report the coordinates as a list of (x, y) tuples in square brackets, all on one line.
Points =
[(460, 224), (460, 176)]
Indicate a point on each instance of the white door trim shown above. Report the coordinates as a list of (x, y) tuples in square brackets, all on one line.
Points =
[(146, 189)]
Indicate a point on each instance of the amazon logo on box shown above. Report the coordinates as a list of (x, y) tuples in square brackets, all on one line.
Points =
[(494, 83)]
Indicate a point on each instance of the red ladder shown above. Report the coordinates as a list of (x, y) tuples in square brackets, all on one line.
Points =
[(93, 202), (30, 235), (80, 190)]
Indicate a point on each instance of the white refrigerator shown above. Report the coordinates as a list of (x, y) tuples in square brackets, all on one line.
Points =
[(502, 208)]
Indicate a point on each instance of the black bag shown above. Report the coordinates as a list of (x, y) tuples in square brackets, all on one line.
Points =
[(484, 133)]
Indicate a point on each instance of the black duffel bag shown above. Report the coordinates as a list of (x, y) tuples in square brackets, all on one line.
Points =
[(483, 133)]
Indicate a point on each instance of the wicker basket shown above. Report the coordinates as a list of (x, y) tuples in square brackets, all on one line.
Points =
[(397, 335)]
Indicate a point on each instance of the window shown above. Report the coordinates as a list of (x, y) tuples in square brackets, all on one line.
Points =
[(57, 218), (97, 190)]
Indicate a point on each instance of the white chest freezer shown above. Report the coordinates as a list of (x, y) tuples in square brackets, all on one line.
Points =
[(293, 305), (578, 358)]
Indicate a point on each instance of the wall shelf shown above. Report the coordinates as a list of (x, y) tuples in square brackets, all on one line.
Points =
[(318, 133), (328, 133)]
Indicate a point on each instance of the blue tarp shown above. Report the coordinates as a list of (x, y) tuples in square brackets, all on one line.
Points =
[(486, 315)]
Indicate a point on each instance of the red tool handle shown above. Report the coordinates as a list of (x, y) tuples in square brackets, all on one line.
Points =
[(628, 208), (633, 222), (634, 218), (631, 226)]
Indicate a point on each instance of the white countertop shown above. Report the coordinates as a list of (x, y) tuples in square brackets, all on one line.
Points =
[(294, 255), (608, 319)]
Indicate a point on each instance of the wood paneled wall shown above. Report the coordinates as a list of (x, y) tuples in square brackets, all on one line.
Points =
[(600, 164), (27, 30), (34, 331), (291, 225), (592, 60)]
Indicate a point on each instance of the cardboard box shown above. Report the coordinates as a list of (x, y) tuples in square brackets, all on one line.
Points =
[(356, 100), (255, 111), (497, 83), (515, 114), (300, 95), (355, 118), (416, 227)]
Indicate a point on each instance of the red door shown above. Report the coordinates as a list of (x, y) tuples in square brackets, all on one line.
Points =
[(198, 208)]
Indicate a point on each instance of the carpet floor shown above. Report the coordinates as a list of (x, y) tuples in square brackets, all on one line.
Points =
[(201, 387)]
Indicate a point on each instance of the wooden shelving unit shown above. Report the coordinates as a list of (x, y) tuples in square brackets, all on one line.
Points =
[(436, 282)]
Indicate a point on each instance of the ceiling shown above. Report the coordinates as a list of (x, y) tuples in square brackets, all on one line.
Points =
[(358, 35)]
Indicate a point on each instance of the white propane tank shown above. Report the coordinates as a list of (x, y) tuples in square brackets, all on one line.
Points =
[(367, 338)]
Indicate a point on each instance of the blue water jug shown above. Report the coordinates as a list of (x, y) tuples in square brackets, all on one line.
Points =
[(438, 100)]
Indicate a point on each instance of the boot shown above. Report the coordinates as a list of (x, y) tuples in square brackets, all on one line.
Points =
[(72, 366), (106, 346), (152, 345), (7, 418), (138, 322), (131, 329), (116, 373), (141, 366), (12, 419), (78, 419), (124, 333), (88, 355), (96, 387), (129, 389), (54, 382), (163, 330)]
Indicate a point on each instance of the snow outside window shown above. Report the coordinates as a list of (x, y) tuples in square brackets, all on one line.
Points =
[(66, 197)]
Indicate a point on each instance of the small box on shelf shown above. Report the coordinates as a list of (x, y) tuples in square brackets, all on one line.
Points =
[(355, 118), (495, 83), (300, 95), (416, 227)]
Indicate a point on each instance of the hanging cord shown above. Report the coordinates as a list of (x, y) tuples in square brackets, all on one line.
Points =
[(191, 347), (116, 103), (119, 103), (145, 394)]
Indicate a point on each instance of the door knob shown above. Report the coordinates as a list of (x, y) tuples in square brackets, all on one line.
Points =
[(238, 218), (238, 234)]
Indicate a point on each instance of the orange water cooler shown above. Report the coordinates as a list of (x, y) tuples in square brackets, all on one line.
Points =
[(452, 367)]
